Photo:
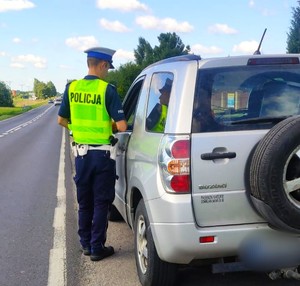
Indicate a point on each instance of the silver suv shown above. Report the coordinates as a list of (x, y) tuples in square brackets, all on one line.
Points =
[(209, 169)]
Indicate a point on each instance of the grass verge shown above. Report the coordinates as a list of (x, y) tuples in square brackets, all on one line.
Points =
[(20, 106)]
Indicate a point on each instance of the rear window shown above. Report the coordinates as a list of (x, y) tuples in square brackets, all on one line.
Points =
[(245, 98)]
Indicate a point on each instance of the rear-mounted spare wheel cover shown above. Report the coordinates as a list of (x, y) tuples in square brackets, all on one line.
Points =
[(274, 175)]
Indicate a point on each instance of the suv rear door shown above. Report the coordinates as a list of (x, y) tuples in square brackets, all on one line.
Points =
[(232, 112)]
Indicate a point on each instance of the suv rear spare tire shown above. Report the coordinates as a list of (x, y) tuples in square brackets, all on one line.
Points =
[(274, 175)]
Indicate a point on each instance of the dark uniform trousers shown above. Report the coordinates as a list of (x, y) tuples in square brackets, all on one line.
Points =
[(95, 181)]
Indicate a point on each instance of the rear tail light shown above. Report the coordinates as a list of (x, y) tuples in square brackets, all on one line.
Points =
[(179, 166), (181, 149), (180, 184), (174, 162)]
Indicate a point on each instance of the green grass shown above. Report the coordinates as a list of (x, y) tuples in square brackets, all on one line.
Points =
[(20, 106)]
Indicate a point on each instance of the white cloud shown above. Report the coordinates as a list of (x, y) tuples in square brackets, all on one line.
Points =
[(166, 24), (81, 43), (221, 29), (8, 5), (124, 6), (2, 54), (114, 26), (36, 61), (16, 40), (199, 49), (251, 3), (17, 65), (126, 55), (246, 47)]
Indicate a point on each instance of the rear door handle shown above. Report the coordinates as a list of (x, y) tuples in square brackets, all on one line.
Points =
[(215, 155)]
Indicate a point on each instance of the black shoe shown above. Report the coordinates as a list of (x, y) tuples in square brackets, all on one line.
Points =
[(103, 253), (86, 250)]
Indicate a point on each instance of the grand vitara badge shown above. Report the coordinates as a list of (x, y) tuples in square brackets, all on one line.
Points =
[(213, 186)]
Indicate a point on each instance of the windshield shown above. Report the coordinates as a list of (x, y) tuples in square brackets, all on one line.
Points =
[(245, 98)]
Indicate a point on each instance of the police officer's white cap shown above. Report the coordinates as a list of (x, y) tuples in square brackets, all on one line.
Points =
[(101, 53)]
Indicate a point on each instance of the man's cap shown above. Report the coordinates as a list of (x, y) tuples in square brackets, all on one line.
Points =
[(168, 85), (101, 53)]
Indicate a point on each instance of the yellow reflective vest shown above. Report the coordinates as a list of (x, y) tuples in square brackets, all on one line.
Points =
[(160, 125), (90, 121)]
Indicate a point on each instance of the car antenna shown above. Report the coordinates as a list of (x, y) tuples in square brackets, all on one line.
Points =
[(257, 52)]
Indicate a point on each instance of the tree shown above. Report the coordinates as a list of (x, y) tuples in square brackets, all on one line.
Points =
[(144, 53), (5, 96), (123, 77), (293, 40), (43, 90), (52, 89), (170, 45)]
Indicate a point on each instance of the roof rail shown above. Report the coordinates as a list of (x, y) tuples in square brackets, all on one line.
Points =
[(183, 58)]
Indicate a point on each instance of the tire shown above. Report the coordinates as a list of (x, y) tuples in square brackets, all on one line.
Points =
[(274, 175), (152, 271), (114, 214)]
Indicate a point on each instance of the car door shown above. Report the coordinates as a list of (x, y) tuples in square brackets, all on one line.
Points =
[(120, 150), (228, 121)]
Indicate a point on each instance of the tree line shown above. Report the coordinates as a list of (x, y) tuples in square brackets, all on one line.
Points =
[(40, 89), (44, 90), (170, 45)]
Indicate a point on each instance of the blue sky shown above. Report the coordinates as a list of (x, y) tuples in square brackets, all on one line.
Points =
[(45, 39)]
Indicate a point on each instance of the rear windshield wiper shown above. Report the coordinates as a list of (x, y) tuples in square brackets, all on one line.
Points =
[(260, 120)]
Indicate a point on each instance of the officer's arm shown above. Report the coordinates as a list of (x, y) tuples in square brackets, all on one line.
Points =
[(121, 125), (63, 121)]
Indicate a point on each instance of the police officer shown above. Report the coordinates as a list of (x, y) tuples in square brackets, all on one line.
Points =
[(157, 118), (92, 110)]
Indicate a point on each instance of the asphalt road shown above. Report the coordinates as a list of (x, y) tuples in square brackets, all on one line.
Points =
[(30, 147), (29, 157)]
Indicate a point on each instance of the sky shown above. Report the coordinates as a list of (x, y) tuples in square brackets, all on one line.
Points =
[(46, 39)]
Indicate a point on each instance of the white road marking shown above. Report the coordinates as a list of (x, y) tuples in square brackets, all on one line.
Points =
[(57, 275), (14, 129)]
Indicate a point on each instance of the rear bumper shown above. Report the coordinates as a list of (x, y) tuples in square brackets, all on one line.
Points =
[(177, 236), (180, 243)]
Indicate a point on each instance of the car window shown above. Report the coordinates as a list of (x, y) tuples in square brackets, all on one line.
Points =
[(245, 98), (130, 102), (158, 101)]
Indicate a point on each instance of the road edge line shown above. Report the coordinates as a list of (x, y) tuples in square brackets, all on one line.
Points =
[(57, 275)]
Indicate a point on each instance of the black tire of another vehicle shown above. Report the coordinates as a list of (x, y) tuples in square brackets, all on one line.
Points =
[(152, 271), (274, 175)]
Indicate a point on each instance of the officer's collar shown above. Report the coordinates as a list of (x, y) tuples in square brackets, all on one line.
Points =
[(91, 77)]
